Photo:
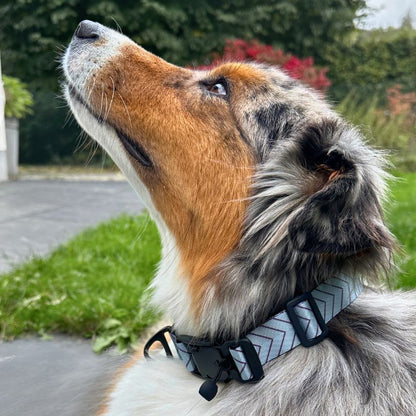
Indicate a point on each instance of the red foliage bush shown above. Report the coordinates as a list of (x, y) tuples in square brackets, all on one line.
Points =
[(302, 69), (399, 102)]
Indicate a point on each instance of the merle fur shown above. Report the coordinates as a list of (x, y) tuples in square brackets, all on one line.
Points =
[(314, 211)]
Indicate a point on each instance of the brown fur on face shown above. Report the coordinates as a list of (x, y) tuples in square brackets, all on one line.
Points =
[(202, 167)]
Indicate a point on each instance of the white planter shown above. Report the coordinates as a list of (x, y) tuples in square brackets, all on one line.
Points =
[(12, 140), (3, 165)]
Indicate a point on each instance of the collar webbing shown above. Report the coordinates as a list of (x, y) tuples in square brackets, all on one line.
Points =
[(303, 321)]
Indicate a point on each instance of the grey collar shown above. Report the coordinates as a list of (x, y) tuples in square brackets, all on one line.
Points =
[(303, 321)]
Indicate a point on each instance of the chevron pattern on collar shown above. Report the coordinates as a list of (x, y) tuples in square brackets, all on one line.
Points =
[(278, 336)]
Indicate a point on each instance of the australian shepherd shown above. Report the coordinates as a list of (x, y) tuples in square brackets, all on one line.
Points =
[(268, 204)]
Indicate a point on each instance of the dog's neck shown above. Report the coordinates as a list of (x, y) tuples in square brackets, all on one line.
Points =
[(241, 299)]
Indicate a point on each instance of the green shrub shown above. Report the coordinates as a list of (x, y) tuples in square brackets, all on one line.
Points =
[(19, 100), (372, 61)]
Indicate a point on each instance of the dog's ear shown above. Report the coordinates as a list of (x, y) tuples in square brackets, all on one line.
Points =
[(342, 213)]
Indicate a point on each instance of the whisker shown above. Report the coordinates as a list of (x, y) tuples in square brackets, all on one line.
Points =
[(125, 106), (102, 100), (68, 118), (142, 231), (91, 90), (82, 142), (94, 150), (106, 105), (117, 25), (111, 101), (103, 159)]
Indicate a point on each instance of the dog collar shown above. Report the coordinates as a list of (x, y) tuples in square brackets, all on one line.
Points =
[(303, 321)]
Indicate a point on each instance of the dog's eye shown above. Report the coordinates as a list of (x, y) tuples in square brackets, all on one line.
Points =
[(219, 88)]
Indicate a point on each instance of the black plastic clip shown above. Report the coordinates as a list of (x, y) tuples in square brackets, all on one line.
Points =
[(214, 362), (299, 329), (159, 337), (209, 388)]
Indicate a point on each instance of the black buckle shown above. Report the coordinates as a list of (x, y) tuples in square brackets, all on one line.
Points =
[(159, 337), (294, 319), (252, 359), (215, 362)]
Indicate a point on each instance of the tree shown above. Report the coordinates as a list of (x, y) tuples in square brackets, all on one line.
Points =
[(407, 20), (373, 61), (33, 33), (309, 27)]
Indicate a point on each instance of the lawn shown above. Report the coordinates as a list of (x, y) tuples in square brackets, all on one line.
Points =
[(401, 217), (94, 286)]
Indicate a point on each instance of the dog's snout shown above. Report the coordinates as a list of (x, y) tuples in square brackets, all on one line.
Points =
[(87, 30)]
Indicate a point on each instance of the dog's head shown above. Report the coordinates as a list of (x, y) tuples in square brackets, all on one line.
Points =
[(255, 183)]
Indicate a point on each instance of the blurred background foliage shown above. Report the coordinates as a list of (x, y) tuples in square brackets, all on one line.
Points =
[(372, 61), (18, 99), (356, 67)]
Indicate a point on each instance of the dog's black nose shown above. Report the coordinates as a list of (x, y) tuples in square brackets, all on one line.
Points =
[(87, 30)]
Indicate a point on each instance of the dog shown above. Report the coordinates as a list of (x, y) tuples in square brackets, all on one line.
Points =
[(262, 194)]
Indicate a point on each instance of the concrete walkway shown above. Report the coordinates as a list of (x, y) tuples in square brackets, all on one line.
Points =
[(62, 376), (38, 215)]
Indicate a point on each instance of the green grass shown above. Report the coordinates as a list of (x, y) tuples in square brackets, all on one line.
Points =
[(401, 217), (93, 286)]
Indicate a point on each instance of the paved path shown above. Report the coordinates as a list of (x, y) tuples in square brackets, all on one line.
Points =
[(63, 376), (36, 216)]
